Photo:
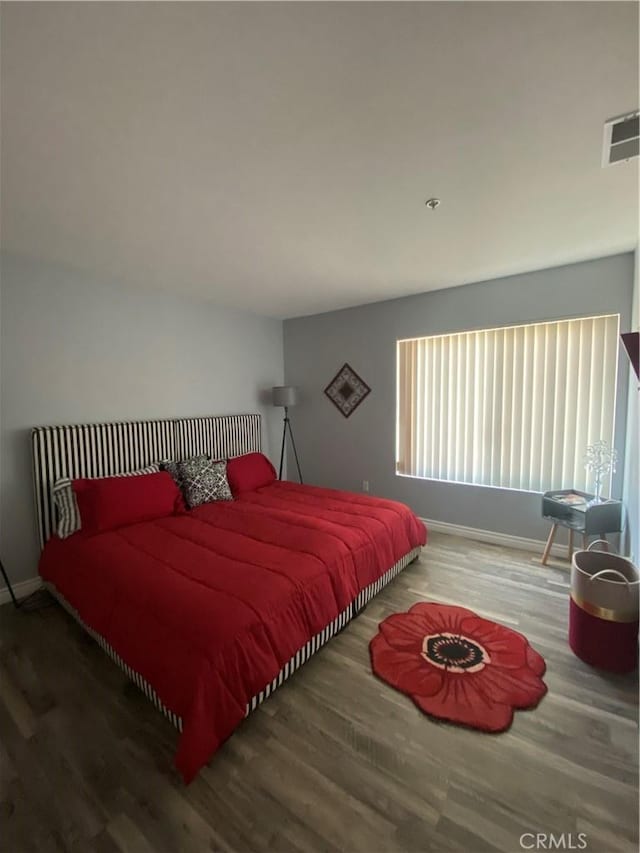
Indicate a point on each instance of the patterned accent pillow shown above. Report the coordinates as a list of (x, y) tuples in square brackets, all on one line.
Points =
[(174, 468), (66, 504), (204, 481)]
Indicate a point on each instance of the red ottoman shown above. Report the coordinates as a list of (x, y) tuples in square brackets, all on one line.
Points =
[(603, 611)]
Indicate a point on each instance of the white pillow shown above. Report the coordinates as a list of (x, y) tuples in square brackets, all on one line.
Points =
[(64, 499)]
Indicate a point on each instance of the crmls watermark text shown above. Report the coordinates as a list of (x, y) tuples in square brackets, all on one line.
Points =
[(551, 841)]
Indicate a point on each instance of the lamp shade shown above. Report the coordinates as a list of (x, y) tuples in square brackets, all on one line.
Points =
[(284, 395)]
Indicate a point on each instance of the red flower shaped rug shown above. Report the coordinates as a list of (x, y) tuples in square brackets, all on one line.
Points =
[(457, 666)]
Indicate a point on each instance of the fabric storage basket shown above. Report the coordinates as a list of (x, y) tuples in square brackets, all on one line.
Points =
[(603, 616)]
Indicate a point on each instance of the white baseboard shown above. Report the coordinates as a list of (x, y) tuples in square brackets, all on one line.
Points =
[(20, 589), (519, 542)]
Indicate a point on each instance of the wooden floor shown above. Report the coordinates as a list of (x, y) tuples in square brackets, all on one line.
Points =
[(335, 760)]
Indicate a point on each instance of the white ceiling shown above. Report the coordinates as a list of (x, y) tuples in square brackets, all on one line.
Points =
[(277, 157)]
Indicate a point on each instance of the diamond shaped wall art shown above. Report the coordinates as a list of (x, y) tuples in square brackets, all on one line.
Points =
[(347, 390)]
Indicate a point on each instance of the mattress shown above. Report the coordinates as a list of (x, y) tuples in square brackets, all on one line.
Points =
[(209, 605)]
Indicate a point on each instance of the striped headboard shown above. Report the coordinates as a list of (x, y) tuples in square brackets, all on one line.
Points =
[(221, 438), (103, 450)]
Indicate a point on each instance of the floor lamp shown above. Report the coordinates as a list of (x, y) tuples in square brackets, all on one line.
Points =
[(284, 396)]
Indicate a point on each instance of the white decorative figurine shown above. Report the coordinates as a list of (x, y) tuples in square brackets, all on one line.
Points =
[(601, 459)]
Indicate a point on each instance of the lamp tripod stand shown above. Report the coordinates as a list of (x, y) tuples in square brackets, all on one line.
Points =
[(286, 425), (33, 601), (7, 582)]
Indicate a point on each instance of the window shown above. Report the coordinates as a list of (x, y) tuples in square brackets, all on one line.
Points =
[(513, 407)]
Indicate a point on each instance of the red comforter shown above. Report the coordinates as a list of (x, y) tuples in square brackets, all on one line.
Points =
[(209, 606)]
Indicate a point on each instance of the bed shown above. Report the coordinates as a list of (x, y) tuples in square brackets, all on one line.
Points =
[(210, 610)]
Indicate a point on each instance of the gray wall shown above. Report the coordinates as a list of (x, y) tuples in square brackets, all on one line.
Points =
[(342, 452), (77, 351)]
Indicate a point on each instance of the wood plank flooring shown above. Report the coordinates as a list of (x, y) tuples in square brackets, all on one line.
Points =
[(334, 760)]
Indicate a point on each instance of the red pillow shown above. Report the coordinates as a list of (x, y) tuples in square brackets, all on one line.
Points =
[(112, 502), (249, 472)]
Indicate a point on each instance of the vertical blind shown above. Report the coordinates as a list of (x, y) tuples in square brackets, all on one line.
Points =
[(513, 407)]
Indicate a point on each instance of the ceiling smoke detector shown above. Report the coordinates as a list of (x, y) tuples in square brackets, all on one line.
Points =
[(432, 203), (621, 139)]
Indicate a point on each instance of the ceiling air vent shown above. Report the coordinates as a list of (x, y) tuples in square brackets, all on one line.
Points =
[(621, 139)]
